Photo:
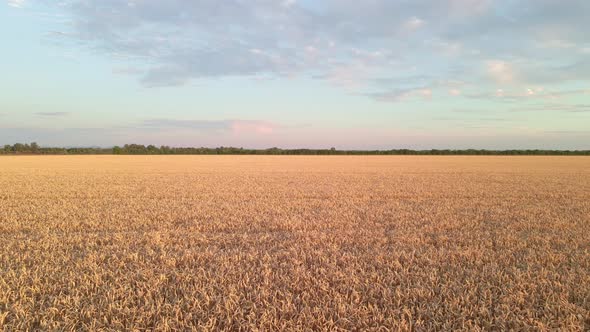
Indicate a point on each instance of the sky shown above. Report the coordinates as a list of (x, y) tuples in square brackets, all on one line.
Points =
[(372, 74)]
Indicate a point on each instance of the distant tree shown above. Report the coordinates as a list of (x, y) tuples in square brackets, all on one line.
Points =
[(18, 148), (151, 149), (34, 147), (137, 149)]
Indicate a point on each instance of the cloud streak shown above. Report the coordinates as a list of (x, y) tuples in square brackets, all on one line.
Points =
[(16, 3), (234, 126), (52, 114), (176, 132), (568, 108)]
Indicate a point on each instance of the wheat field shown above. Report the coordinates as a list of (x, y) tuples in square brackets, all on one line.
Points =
[(297, 243)]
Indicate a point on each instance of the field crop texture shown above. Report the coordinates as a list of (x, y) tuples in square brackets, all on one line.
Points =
[(294, 243)]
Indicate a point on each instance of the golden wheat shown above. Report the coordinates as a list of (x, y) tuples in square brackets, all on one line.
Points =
[(294, 243)]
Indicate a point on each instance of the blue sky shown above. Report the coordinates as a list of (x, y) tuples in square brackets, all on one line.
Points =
[(374, 74)]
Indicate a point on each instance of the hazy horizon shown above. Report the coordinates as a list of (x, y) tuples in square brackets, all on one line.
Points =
[(425, 74)]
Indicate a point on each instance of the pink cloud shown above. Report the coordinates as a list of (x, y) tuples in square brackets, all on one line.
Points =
[(455, 92), (250, 126), (500, 71)]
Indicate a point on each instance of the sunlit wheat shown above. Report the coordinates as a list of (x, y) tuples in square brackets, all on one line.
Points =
[(294, 243)]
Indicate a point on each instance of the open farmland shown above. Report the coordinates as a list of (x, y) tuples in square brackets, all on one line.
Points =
[(294, 243)]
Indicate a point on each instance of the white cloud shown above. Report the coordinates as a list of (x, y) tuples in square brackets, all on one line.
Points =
[(414, 23), (16, 3), (289, 3), (500, 71), (535, 91)]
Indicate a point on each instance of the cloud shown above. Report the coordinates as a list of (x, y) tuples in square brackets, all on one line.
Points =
[(414, 23), (568, 108), (455, 92), (569, 132), (289, 3), (16, 3), (471, 7), (190, 124), (234, 126), (486, 44), (523, 94), (500, 71), (555, 44), (127, 71), (475, 122), (175, 132), (428, 89), (258, 127), (52, 114), (399, 95)]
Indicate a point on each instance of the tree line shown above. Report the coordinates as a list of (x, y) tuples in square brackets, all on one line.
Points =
[(139, 149)]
